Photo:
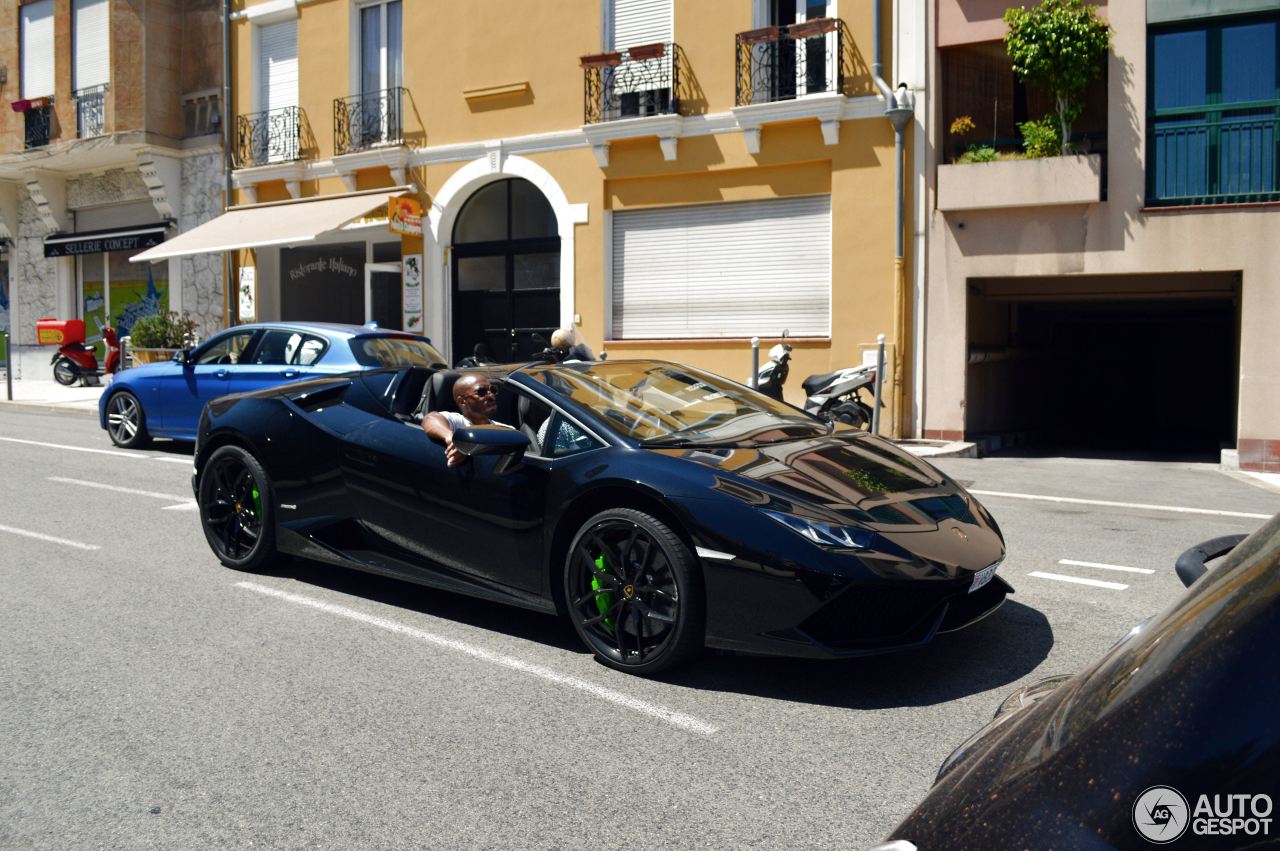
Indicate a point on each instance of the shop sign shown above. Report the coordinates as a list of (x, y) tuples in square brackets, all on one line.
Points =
[(248, 294), (100, 242), (404, 216), (412, 294)]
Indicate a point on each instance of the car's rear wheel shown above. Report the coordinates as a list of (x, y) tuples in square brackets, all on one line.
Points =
[(126, 421), (633, 593), (236, 510)]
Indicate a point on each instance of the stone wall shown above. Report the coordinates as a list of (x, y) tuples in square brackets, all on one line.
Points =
[(116, 186), (202, 292), (34, 292)]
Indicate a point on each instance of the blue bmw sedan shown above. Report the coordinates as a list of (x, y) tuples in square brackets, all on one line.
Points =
[(165, 399)]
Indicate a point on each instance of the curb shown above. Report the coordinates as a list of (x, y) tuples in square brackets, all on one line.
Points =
[(46, 407), (939, 449)]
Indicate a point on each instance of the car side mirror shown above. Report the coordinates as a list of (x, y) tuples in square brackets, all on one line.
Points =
[(183, 356), (492, 440)]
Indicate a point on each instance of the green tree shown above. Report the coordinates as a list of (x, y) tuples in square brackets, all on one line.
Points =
[(1058, 47)]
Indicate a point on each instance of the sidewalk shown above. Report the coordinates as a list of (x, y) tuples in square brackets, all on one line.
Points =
[(51, 396)]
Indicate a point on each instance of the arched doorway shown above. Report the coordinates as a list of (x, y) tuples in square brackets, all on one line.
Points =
[(506, 271)]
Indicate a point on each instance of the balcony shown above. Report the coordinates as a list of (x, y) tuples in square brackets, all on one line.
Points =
[(38, 123), (634, 83), (1219, 157), (369, 120), (782, 63), (91, 111), (1009, 184), (275, 136)]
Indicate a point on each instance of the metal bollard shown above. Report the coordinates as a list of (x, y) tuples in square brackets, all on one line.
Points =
[(755, 362), (875, 410), (8, 363)]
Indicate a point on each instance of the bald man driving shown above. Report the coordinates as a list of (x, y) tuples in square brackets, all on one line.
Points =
[(477, 399)]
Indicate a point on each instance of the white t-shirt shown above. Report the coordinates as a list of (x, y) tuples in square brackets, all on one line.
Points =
[(457, 421)]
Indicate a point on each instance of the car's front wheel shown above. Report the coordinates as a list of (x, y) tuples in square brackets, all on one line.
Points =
[(633, 593), (126, 421), (236, 510)]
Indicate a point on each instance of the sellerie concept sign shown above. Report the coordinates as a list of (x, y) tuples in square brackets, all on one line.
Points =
[(102, 242)]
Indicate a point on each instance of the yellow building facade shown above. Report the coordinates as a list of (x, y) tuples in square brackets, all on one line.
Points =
[(668, 177)]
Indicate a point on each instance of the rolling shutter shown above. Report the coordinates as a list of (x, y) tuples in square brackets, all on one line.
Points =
[(278, 69), (92, 44), (637, 22), (37, 49), (723, 270)]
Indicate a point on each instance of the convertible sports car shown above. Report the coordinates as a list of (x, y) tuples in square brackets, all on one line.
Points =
[(164, 399), (659, 507)]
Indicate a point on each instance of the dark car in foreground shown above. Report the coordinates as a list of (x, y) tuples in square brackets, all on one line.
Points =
[(1171, 737), (661, 508), (165, 399)]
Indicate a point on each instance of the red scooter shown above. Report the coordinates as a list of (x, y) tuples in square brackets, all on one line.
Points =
[(74, 360)]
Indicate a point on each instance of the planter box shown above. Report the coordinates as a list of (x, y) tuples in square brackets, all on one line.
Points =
[(151, 355), (1045, 182)]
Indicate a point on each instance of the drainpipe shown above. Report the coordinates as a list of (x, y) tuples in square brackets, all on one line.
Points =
[(899, 109), (227, 113)]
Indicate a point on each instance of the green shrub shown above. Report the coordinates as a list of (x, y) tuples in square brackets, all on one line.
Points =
[(1041, 138), (980, 154), (162, 331)]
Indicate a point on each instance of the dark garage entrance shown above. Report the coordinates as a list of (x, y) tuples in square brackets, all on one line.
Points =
[(1104, 372)]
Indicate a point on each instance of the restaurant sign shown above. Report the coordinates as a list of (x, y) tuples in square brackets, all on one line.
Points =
[(404, 216)]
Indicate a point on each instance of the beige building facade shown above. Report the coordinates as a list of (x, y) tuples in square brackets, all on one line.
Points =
[(668, 178), (1124, 298)]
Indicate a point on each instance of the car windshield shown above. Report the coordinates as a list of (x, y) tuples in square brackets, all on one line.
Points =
[(665, 404), (388, 350)]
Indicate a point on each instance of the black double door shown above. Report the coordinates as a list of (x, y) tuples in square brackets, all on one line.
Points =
[(506, 290)]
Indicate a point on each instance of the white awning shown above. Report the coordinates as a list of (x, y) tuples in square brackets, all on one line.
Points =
[(281, 223)]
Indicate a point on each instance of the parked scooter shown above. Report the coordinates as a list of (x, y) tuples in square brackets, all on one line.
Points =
[(836, 396), (772, 374), (74, 361)]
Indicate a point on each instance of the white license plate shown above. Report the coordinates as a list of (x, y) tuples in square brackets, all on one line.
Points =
[(982, 577)]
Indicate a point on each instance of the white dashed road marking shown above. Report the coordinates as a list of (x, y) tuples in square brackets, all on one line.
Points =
[(82, 483), (50, 538), (662, 713), (133, 455), (1104, 566), (1096, 583), (1145, 506)]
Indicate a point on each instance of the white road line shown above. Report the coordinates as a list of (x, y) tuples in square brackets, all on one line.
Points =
[(39, 537), (1177, 508), (186, 461), (190, 505), (1101, 566), (670, 716), (82, 483), (1096, 583), (74, 448)]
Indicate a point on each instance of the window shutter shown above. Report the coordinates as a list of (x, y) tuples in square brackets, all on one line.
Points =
[(92, 38), (637, 22), (723, 270), (278, 52), (37, 49)]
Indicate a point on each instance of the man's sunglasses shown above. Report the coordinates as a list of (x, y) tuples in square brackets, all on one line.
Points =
[(487, 390)]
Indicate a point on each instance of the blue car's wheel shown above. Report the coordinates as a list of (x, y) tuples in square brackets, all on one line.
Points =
[(633, 593), (126, 421), (236, 510)]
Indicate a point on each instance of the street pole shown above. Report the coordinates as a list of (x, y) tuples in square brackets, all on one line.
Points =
[(755, 362), (875, 411), (8, 363)]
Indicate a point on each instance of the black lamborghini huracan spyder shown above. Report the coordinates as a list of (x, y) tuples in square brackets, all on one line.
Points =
[(660, 507)]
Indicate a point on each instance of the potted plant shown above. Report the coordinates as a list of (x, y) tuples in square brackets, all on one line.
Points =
[(1056, 46), (157, 337)]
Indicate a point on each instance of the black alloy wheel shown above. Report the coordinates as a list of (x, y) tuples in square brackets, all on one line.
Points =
[(126, 421), (236, 510), (65, 372), (633, 592)]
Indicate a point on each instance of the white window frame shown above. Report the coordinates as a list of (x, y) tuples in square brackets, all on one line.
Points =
[(355, 43), (42, 53), (77, 48)]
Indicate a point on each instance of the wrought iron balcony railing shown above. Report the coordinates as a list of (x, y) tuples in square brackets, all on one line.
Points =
[(635, 82), (38, 124), (786, 62), (274, 136), (365, 121), (91, 111), (1221, 156)]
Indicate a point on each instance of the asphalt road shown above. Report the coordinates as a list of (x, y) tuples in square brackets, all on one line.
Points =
[(154, 699)]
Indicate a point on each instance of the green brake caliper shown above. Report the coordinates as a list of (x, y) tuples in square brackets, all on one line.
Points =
[(604, 599), (257, 502)]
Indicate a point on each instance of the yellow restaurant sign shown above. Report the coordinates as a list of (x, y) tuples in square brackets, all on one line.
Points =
[(404, 216)]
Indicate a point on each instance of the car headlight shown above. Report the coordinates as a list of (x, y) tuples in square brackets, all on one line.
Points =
[(824, 534)]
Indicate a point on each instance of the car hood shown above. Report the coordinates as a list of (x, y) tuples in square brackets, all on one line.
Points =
[(857, 476)]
